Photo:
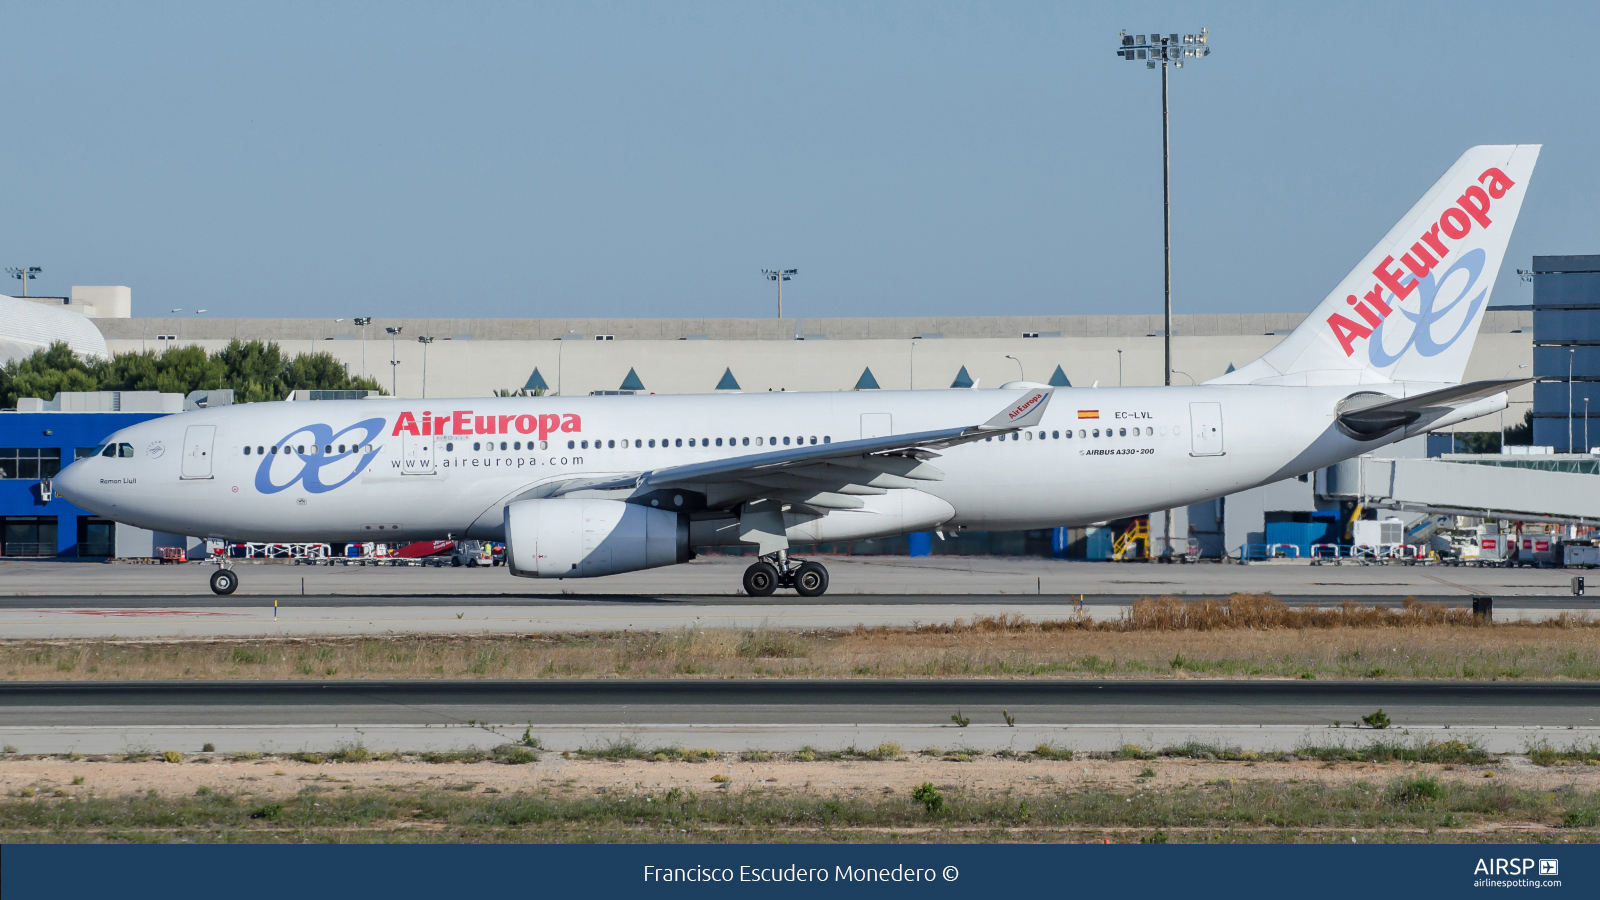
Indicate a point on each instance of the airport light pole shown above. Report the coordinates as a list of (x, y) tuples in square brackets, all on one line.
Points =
[(363, 321), (316, 334), (424, 341), (394, 361), (25, 274), (1570, 352), (1165, 48), (1021, 375), (780, 276)]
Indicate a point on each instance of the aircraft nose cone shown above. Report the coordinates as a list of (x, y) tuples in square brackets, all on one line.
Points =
[(71, 483)]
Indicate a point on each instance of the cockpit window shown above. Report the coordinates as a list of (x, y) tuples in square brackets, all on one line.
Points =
[(125, 451), (110, 450)]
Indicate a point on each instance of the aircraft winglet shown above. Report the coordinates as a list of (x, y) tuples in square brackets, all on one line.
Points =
[(1024, 413)]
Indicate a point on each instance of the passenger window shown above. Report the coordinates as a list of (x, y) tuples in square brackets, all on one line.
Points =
[(691, 442), (449, 448), (759, 441), (1081, 434), (826, 439), (301, 449), (719, 442), (1097, 432), (328, 450), (1017, 437), (1122, 432), (247, 451), (274, 450), (612, 445), (678, 442), (652, 442), (476, 445), (1029, 435), (640, 443), (813, 439), (786, 440), (572, 445), (1056, 435), (544, 445), (773, 441)]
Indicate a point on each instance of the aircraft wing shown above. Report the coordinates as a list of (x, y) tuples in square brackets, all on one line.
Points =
[(824, 476)]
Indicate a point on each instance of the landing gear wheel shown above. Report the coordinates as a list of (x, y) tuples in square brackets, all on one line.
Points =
[(811, 580), (761, 579), (223, 581)]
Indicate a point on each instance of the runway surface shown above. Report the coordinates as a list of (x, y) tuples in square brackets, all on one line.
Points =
[(712, 577), (95, 717), (66, 600)]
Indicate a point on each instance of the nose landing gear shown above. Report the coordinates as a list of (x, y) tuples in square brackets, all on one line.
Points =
[(224, 582), (777, 570)]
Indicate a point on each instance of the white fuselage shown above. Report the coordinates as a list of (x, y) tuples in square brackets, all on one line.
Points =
[(352, 471)]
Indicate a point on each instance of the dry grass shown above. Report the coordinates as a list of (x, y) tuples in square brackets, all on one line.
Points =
[(789, 799), (1247, 636)]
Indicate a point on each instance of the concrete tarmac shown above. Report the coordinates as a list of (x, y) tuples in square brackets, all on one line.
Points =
[(89, 717)]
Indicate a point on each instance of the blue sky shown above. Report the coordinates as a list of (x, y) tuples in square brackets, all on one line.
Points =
[(620, 159)]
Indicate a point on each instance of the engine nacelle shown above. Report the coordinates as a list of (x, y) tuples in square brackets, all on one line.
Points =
[(589, 538)]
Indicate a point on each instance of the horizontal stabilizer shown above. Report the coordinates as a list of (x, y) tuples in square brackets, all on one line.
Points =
[(1375, 414)]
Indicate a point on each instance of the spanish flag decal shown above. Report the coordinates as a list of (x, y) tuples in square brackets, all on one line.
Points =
[(1088, 413)]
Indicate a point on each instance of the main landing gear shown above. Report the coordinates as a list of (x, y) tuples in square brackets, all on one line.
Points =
[(777, 570)]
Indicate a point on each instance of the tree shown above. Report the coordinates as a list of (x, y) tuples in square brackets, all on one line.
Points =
[(255, 370), (1521, 434)]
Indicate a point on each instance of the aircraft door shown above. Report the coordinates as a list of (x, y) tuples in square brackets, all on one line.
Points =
[(876, 425), (1205, 429), (416, 454), (197, 446)]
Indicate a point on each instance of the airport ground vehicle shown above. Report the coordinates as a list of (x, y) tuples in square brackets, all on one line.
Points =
[(592, 486)]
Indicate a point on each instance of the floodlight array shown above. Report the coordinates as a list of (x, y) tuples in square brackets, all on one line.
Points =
[(1164, 48)]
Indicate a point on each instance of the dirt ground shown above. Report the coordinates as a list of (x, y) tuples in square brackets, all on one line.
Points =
[(272, 778)]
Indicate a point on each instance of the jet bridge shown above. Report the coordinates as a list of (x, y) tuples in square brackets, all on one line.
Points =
[(1488, 487)]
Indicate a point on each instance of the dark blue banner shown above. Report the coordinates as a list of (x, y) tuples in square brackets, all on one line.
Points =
[(275, 871)]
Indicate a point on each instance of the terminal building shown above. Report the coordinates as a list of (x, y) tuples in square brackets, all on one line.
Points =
[(592, 356)]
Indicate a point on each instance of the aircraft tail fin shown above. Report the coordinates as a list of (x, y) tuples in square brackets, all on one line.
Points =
[(1410, 310)]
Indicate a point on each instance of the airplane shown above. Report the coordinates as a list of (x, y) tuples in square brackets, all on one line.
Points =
[(580, 487)]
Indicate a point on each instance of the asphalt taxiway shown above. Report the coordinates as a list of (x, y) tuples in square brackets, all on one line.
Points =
[(98, 717)]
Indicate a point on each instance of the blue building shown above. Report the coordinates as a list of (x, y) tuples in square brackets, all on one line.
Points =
[(1566, 352), (35, 446)]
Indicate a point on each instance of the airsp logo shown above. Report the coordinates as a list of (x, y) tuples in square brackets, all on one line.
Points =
[(1549, 867)]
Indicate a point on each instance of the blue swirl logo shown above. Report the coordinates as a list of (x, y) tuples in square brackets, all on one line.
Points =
[(312, 464), (1422, 320)]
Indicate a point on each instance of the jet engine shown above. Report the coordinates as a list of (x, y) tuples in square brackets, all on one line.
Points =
[(588, 538)]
